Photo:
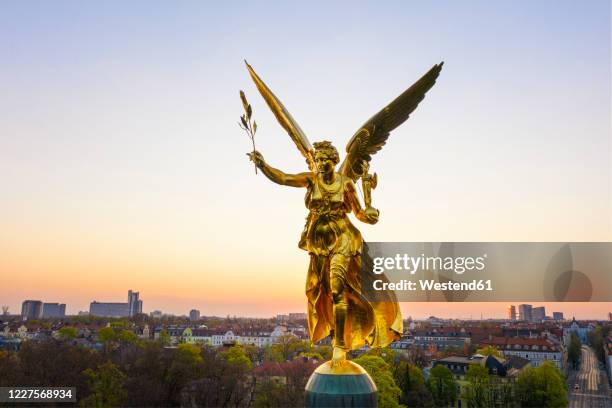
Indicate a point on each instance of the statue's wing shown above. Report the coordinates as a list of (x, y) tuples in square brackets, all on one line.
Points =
[(285, 119), (372, 136)]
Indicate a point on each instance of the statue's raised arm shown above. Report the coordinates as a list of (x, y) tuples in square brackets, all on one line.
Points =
[(277, 176)]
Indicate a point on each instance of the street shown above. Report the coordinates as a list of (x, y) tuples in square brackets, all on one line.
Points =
[(592, 383)]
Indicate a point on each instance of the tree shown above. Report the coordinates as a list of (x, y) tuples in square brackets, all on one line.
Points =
[(379, 370), (596, 340), (106, 383), (106, 335), (68, 333), (147, 371), (186, 367), (237, 357), (288, 346), (127, 337), (270, 393), (489, 351), (477, 391), (54, 363), (442, 385), (325, 351), (541, 387), (9, 369), (410, 379), (164, 338), (573, 350)]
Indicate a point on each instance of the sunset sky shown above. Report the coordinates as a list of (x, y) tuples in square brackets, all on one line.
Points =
[(122, 165)]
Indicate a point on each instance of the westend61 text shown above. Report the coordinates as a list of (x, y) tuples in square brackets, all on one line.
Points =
[(430, 284)]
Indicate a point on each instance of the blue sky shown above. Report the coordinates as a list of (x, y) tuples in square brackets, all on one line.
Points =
[(119, 145)]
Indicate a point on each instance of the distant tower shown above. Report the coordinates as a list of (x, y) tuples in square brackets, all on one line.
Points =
[(511, 313), (5, 310), (134, 303), (31, 309), (525, 312), (194, 315)]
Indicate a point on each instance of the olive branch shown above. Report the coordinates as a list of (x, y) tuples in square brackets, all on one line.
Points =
[(246, 125)]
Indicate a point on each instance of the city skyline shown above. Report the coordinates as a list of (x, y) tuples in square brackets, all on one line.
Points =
[(495, 310), (122, 163)]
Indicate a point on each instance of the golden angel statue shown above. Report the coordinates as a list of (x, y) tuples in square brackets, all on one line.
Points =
[(336, 303)]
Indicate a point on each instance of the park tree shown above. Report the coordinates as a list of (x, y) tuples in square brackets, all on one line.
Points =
[(52, 363), (127, 337), (164, 338), (269, 393), (543, 386), (324, 350), (68, 333), (106, 385), (379, 370), (186, 366), (477, 391), (596, 341), (573, 350), (288, 346), (10, 375), (234, 382), (442, 385), (147, 371), (489, 351), (410, 379), (297, 372)]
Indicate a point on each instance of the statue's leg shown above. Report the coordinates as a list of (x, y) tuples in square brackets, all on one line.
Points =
[(338, 270), (318, 293)]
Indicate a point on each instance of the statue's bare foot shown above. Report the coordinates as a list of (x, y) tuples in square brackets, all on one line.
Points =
[(338, 357)]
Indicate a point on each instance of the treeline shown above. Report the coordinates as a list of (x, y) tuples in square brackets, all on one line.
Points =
[(129, 371)]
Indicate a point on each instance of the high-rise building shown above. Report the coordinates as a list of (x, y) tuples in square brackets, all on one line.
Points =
[(538, 313), (558, 315), (525, 312), (511, 313), (53, 310), (31, 309), (131, 308), (610, 316), (194, 314), (106, 309), (134, 304)]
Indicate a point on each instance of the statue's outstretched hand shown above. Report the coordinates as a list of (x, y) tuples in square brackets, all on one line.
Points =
[(257, 158), (371, 215)]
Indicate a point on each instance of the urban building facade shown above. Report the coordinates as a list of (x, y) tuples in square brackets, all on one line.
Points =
[(134, 303), (511, 313), (107, 309), (194, 314), (53, 310), (111, 309), (525, 312), (536, 350), (538, 314), (31, 309)]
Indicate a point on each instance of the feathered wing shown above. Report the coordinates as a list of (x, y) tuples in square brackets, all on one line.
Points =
[(372, 136), (284, 118)]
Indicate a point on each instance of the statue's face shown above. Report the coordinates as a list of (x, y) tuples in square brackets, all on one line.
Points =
[(325, 164)]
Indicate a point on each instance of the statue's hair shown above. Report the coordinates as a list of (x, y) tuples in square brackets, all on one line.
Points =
[(327, 148)]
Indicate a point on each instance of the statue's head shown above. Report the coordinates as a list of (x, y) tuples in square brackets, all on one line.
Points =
[(326, 156)]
